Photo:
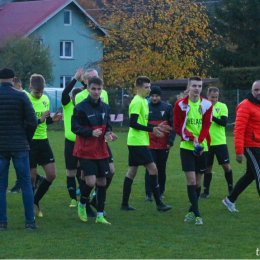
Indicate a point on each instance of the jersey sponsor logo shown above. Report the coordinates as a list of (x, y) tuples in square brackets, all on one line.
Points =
[(194, 121), (44, 103), (217, 109), (162, 112), (39, 114), (91, 115), (103, 115)]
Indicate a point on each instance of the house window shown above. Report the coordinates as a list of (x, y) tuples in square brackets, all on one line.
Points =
[(66, 49), (38, 42), (64, 80), (67, 17)]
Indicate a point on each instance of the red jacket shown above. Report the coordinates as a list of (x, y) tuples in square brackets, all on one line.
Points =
[(181, 110), (247, 126)]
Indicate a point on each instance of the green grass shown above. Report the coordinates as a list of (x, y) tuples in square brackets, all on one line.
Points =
[(144, 233)]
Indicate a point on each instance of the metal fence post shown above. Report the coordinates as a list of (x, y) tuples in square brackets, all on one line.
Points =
[(122, 97), (237, 97), (56, 101)]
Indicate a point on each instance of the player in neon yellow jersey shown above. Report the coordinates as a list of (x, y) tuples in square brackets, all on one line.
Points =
[(39, 178), (40, 150), (72, 162), (218, 144), (192, 120), (138, 141), (90, 73)]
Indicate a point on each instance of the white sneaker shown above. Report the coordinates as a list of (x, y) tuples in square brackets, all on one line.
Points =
[(229, 205)]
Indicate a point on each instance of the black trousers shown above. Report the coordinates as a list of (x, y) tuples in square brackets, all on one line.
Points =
[(252, 155), (160, 157)]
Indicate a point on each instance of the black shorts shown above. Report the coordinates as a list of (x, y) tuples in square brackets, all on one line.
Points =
[(40, 153), (221, 152), (139, 155), (110, 158), (192, 163), (71, 161), (99, 167)]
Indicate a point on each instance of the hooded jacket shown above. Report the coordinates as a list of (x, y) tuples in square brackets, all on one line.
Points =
[(247, 125)]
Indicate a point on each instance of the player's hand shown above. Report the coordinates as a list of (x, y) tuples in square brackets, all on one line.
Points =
[(157, 132), (57, 117), (45, 115), (110, 136), (239, 157), (164, 128), (78, 74), (195, 142), (97, 132)]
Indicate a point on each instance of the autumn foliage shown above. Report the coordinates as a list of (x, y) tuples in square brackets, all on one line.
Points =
[(161, 39)]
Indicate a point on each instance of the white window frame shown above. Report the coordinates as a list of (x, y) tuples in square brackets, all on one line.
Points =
[(68, 24), (63, 50), (64, 80), (40, 41)]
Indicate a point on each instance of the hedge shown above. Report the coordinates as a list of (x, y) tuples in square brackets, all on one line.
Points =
[(239, 78)]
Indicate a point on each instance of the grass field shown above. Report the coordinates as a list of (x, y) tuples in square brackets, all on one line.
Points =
[(144, 233)]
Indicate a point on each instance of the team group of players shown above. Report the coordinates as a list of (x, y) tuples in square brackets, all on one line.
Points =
[(152, 132)]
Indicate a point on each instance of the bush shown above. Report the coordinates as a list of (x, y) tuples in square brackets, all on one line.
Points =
[(239, 78)]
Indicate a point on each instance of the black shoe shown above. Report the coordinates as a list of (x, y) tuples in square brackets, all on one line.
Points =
[(31, 226), (16, 188), (163, 207), (149, 198), (90, 213), (123, 207), (39, 179), (204, 196), (3, 226)]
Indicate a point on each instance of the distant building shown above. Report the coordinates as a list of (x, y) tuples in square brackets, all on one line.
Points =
[(62, 25)]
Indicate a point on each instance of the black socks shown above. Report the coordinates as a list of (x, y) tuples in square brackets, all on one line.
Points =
[(193, 197), (206, 183), (155, 188), (43, 188), (126, 191), (71, 186)]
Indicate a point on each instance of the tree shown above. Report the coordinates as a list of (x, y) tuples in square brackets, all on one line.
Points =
[(88, 5), (161, 39), (237, 22), (26, 56)]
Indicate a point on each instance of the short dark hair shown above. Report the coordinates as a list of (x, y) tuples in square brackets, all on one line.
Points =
[(94, 80), (75, 91), (194, 78), (37, 81), (213, 89), (141, 80)]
